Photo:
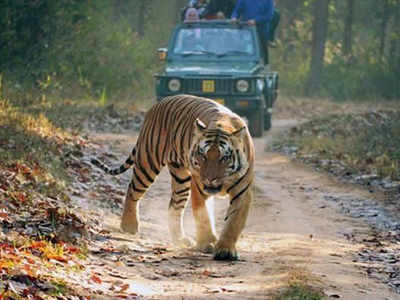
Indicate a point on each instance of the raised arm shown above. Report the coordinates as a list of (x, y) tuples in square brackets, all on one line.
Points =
[(237, 10)]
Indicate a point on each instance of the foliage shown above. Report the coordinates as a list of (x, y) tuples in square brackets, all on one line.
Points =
[(106, 49), (365, 143), (74, 48), (301, 285), (300, 292), (20, 131), (370, 71), (43, 236)]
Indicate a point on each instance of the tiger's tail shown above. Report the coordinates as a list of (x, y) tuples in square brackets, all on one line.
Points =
[(121, 169)]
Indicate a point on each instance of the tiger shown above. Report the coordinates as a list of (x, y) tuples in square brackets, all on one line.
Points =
[(208, 151)]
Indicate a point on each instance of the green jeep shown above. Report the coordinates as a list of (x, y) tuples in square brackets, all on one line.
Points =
[(222, 61)]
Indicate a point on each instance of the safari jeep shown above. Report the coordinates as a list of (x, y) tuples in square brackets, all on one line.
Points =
[(224, 62)]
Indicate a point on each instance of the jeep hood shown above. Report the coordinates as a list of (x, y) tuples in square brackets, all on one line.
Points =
[(212, 68)]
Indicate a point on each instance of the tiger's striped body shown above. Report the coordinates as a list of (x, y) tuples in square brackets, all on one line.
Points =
[(208, 151)]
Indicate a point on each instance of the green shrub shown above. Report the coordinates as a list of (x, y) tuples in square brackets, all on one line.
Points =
[(76, 48)]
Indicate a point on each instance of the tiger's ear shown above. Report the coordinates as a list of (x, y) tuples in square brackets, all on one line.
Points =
[(240, 133), (200, 126)]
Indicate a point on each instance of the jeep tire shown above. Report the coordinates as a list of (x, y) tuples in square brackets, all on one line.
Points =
[(256, 123), (267, 121)]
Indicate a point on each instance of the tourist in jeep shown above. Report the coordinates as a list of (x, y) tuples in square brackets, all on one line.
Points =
[(220, 9), (201, 6), (258, 13)]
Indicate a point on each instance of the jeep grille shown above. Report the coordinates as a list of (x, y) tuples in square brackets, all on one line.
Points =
[(222, 86)]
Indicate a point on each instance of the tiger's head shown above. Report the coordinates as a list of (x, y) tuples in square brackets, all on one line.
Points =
[(217, 157)]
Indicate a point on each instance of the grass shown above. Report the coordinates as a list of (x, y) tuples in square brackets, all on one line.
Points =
[(300, 292), (350, 143), (301, 285), (33, 144)]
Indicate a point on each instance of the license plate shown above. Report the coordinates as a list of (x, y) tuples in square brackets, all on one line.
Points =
[(220, 101), (208, 86)]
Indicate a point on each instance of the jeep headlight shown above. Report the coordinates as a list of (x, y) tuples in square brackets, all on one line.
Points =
[(242, 85), (260, 84), (174, 85)]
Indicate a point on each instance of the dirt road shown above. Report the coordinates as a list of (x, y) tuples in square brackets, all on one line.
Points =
[(293, 234)]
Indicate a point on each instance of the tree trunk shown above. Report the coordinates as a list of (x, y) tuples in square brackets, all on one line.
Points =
[(288, 32), (142, 11), (394, 55), (179, 4), (383, 29), (320, 29), (348, 29)]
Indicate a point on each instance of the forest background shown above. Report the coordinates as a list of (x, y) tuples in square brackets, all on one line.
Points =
[(106, 49)]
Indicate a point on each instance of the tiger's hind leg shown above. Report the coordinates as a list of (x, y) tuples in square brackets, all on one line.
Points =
[(180, 194), (141, 181), (205, 231)]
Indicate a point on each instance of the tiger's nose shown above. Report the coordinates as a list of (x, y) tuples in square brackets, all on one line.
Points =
[(211, 182)]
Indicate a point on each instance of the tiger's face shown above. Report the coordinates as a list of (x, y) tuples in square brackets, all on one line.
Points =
[(217, 158)]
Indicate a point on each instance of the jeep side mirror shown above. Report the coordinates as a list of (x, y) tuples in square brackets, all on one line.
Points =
[(162, 53)]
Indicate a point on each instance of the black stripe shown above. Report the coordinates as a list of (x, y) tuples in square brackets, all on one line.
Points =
[(200, 191), (234, 160), (139, 179), (182, 191), (130, 160), (156, 149), (144, 172), (175, 201), (147, 138), (190, 127), (179, 180), (177, 111), (177, 120), (120, 170), (184, 196), (239, 161), (193, 110), (238, 181), (177, 206), (150, 145), (175, 165), (150, 135), (173, 156), (240, 193), (133, 187), (152, 165)]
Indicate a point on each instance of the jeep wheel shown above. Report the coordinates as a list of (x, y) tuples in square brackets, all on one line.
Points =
[(256, 123), (267, 121)]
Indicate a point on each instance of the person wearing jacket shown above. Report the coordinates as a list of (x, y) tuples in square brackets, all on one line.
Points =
[(258, 13)]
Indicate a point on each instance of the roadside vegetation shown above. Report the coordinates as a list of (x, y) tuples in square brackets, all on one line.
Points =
[(107, 49), (352, 141), (301, 285), (34, 207), (43, 235)]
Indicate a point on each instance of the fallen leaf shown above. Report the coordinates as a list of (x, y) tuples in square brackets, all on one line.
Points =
[(124, 288), (95, 279)]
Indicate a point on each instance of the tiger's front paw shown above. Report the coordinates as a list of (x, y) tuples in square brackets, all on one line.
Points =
[(184, 242), (206, 248), (131, 227), (207, 245), (225, 253)]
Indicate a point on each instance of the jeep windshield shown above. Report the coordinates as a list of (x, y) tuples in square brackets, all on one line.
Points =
[(218, 42)]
